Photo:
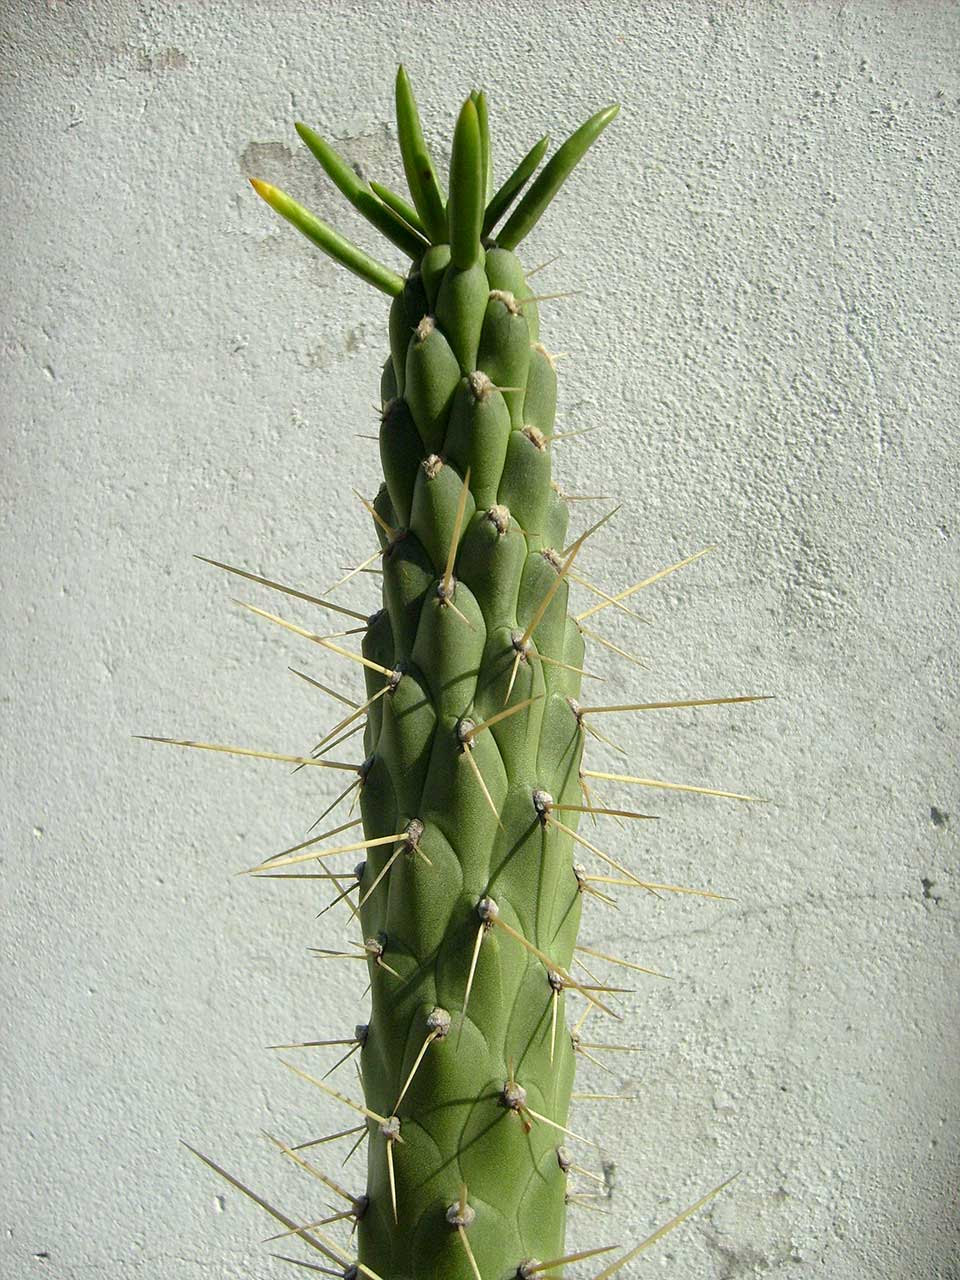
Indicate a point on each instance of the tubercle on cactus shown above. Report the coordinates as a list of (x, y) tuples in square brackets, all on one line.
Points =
[(472, 785)]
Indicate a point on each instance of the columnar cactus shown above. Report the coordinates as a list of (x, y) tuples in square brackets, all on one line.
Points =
[(468, 900)]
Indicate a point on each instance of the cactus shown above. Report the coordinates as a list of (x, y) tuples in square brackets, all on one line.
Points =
[(468, 899)]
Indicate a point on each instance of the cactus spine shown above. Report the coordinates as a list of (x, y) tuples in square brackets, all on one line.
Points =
[(468, 898)]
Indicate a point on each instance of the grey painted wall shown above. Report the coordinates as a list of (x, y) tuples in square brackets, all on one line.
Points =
[(764, 249)]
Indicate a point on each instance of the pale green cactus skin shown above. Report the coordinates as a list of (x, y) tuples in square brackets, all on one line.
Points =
[(456, 667), (469, 899)]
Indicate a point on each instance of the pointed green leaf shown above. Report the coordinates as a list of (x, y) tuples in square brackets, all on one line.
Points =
[(361, 197), (465, 201), (480, 102), (341, 250), (398, 205), (417, 165), (528, 212), (502, 201)]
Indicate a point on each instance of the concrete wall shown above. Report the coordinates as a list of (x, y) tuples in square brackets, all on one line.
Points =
[(764, 250)]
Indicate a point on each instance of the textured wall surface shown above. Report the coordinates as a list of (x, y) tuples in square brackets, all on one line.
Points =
[(764, 253)]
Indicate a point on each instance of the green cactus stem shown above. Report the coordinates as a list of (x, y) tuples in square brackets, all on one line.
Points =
[(466, 903)]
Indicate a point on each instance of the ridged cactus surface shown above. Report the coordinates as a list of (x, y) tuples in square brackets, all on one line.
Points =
[(467, 903), (468, 465)]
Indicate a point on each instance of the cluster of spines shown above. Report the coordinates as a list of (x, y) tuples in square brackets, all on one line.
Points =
[(469, 897)]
